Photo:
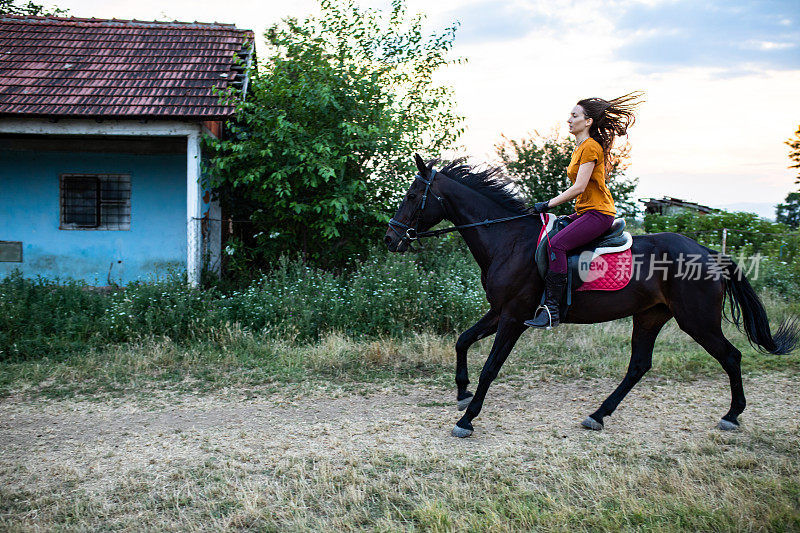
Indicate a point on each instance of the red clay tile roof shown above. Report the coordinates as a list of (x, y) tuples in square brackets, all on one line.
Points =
[(71, 67)]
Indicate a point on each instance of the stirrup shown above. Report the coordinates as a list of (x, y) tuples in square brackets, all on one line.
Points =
[(549, 325)]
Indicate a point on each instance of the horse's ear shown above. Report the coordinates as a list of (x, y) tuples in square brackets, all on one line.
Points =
[(423, 170)]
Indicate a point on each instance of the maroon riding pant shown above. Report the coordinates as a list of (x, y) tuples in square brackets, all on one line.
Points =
[(584, 228)]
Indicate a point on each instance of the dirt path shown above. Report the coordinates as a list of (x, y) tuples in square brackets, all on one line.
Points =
[(100, 441)]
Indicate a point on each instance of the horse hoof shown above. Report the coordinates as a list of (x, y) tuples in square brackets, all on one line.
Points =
[(464, 403), (591, 423), (461, 433), (727, 425)]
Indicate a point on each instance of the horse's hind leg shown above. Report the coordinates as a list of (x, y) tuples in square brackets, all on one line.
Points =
[(483, 328), (708, 334), (646, 326)]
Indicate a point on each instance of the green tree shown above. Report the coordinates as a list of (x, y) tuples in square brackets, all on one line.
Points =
[(11, 7), (789, 211), (794, 155), (540, 164), (321, 150)]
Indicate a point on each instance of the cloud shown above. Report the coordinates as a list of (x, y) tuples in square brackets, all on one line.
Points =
[(495, 21), (729, 36)]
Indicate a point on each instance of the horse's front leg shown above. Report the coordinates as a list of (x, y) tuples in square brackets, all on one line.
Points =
[(508, 331), (483, 328)]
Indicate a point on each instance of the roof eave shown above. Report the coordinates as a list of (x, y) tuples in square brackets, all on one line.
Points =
[(191, 118)]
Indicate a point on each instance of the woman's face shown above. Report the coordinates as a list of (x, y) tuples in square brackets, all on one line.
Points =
[(578, 123)]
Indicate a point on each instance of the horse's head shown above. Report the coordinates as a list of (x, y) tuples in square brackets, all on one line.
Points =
[(421, 209)]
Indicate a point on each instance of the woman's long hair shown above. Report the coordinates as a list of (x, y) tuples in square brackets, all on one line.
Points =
[(610, 118)]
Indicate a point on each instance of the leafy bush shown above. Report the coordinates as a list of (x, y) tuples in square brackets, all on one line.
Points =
[(748, 235), (40, 317), (781, 277), (747, 232), (438, 291), (173, 310)]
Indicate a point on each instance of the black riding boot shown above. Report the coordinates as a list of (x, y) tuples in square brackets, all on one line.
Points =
[(549, 313)]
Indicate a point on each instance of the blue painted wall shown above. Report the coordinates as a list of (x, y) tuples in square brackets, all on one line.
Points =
[(29, 212)]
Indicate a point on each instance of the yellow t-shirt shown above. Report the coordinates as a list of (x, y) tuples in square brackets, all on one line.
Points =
[(596, 195)]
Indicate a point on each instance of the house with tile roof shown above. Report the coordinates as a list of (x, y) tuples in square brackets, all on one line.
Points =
[(101, 123)]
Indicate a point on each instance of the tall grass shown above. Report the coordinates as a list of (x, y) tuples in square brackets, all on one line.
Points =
[(387, 295), (278, 324)]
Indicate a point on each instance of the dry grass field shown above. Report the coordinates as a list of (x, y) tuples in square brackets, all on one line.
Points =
[(230, 430), (377, 455)]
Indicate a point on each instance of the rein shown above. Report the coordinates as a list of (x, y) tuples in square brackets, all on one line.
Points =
[(412, 234), (436, 233)]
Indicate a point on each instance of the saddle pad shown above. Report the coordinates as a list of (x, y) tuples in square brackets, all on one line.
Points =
[(548, 219), (608, 272)]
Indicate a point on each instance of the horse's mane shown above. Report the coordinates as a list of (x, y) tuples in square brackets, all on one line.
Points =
[(490, 181)]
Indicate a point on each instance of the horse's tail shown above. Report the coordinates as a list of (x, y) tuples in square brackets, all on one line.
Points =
[(747, 312)]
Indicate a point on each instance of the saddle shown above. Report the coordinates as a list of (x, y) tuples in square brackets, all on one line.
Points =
[(580, 261)]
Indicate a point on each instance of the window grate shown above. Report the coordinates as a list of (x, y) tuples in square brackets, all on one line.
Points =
[(96, 201)]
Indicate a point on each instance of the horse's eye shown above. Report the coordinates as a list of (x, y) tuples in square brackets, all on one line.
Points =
[(411, 196)]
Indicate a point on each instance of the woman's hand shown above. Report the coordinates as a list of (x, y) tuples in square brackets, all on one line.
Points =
[(541, 207)]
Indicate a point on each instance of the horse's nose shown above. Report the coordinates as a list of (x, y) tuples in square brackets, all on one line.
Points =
[(387, 240)]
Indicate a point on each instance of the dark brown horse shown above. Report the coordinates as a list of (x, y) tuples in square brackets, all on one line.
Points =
[(504, 251)]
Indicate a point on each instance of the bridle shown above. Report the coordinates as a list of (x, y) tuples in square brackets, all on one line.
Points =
[(412, 234)]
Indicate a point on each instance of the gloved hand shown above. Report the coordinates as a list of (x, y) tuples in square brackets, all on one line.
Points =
[(541, 207)]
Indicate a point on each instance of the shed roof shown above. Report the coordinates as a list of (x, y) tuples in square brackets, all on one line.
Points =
[(73, 67), (669, 201)]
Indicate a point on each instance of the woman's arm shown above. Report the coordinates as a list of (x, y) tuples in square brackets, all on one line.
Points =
[(581, 181)]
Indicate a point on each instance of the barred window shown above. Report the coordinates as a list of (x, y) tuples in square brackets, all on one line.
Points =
[(96, 201)]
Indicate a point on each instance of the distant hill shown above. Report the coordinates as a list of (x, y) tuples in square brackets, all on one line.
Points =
[(762, 209)]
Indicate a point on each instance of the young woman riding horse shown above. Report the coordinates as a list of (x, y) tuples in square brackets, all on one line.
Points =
[(594, 122), (501, 232)]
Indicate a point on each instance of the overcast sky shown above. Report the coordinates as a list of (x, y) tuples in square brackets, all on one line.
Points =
[(721, 77)]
